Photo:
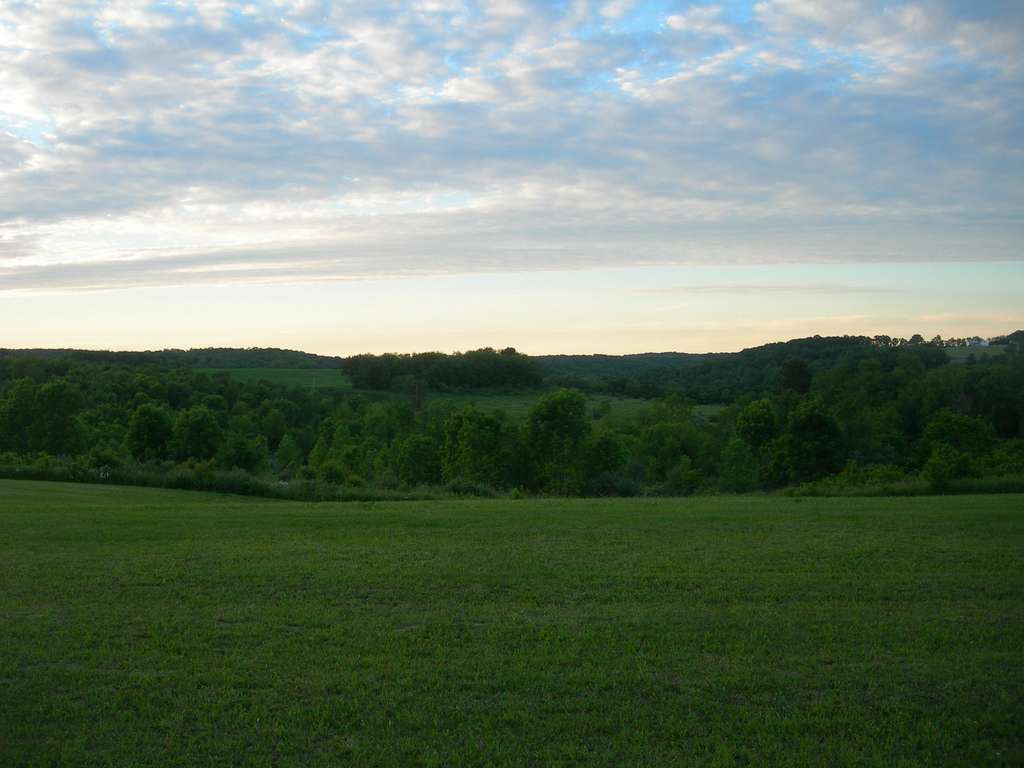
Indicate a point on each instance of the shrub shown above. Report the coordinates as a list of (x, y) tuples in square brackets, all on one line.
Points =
[(1007, 459), (613, 484), (469, 488), (740, 466), (332, 471), (946, 463), (683, 478)]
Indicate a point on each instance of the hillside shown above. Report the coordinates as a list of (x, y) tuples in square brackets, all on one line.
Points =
[(207, 357)]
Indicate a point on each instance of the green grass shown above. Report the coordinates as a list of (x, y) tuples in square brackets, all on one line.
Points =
[(158, 628), (518, 405), (708, 411), (960, 354), (317, 378)]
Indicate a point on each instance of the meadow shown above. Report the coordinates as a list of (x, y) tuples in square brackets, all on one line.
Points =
[(961, 355), (315, 378), (149, 627), (516, 405)]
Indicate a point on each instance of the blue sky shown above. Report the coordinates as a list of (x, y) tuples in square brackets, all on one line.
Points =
[(353, 165)]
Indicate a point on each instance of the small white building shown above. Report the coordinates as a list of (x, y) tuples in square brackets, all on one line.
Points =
[(977, 341)]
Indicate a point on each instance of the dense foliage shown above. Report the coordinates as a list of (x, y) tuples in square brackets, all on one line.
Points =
[(711, 378), (827, 417), (210, 357), (477, 369)]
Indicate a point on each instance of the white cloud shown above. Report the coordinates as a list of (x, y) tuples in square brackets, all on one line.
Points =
[(144, 143), (616, 9), (701, 20)]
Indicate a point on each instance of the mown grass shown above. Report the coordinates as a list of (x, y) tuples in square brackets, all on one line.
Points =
[(148, 627), (315, 378)]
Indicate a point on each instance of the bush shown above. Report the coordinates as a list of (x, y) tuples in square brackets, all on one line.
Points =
[(244, 452), (855, 480), (332, 471), (741, 467), (946, 463), (468, 488), (1007, 459), (683, 478), (44, 462), (613, 484), (965, 434), (199, 476)]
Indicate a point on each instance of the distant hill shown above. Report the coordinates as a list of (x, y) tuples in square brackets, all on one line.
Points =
[(706, 378), (207, 357), (1016, 338), (610, 366)]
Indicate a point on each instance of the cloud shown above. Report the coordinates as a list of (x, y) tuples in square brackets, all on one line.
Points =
[(704, 20), (144, 143), (770, 288)]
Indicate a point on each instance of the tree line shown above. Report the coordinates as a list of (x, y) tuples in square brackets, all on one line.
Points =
[(863, 416), (206, 357), (477, 369)]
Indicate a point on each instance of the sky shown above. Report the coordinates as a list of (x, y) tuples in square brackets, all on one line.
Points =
[(562, 176)]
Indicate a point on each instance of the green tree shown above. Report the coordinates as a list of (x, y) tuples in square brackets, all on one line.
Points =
[(740, 466), (17, 414), (242, 451), (945, 464), (273, 425), (320, 451), (474, 447), (149, 433), (556, 429), (660, 447), (796, 376), (817, 441), (56, 428), (388, 420), (811, 446), (756, 423), (683, 478), (288, 456), (418, 461), (603, 457), (967, 434), (197, 434)]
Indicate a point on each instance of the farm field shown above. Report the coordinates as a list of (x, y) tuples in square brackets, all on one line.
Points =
[(516, 405), (962, 354), (318, 378), (149, 627)]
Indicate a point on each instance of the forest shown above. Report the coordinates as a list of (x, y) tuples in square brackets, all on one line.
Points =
[(818, 415)]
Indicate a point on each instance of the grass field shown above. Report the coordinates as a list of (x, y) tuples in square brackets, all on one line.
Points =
[(161, 628), (317, 378), (961, 354), (516, 405)]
